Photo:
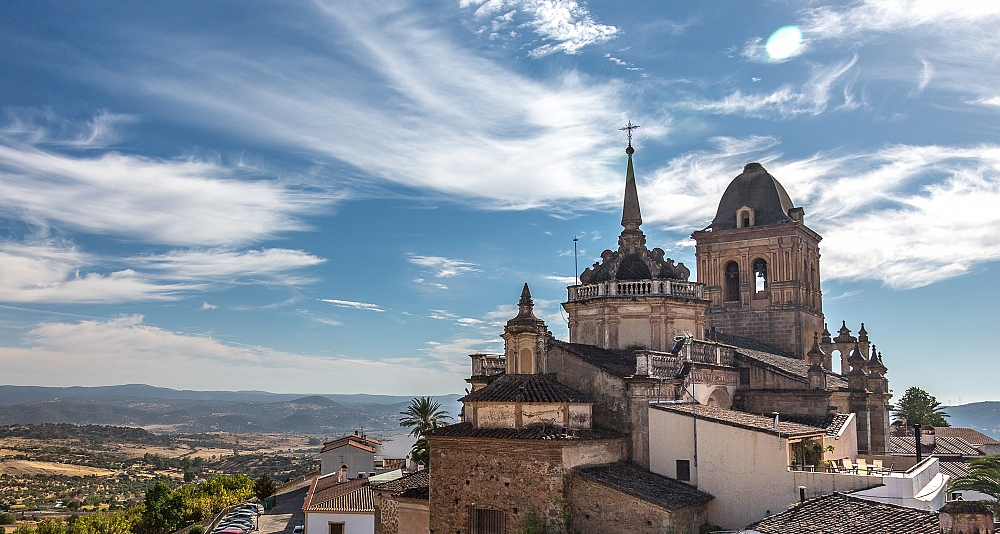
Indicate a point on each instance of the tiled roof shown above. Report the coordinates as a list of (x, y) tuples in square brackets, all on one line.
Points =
[(525, 388), (837, 513), (328, 495), (954, 468), (944, 446), (364, 443), (423, 493), (646, 485), (620, 363), (546, 432), (744, 342), (740, 419), (792, 367), (832, 423), (414, 480), (973, 437)]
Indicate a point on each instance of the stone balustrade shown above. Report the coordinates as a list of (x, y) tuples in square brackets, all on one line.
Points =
[(488, 364), (633, 288)]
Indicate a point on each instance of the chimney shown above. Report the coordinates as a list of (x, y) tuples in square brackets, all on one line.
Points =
[(777, 418), (802, 494), (420, 465), (343, 474), (966, 517), (917, 444)]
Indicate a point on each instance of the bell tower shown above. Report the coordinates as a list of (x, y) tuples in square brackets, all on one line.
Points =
[(760, 265), (524, 339)]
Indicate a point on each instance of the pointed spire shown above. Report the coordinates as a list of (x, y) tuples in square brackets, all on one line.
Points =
[(525, 305), (815, 352), (631, 217), (863, 334), (826, 335)]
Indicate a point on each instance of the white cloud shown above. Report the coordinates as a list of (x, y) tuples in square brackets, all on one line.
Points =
[(226, 265), (50, 271), (443, 118), (126, 351), (904, 215), (454, 354), (926, 73), (432, 284), (894, 16), (444, 267), (566, 23), (568, 280), (813, 97), (186, 202), (207, 306), (353, 304)]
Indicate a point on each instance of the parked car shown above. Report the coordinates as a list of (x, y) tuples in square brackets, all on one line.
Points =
[(298, 529)]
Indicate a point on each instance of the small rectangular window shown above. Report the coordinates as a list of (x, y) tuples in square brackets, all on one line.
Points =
[(336, 528), (486, 521), (744, 376), (684, 470)]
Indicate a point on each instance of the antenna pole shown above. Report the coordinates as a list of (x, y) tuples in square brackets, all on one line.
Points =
[(576, 266)]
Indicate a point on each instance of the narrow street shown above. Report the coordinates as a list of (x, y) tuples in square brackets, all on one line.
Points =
[(287, 513)]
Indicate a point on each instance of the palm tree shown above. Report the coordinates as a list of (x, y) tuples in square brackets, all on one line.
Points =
[(423, 414), (984, 477)]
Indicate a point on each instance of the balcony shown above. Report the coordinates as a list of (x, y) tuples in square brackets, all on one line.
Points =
[(637, 288)]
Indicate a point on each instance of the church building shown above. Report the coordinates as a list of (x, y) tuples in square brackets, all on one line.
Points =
[(550, 422)]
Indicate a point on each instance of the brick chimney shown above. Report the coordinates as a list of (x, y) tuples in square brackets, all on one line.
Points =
[(966, 517)]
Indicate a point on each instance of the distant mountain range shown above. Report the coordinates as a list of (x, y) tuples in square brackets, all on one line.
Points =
[(981, 416), (169, 410)]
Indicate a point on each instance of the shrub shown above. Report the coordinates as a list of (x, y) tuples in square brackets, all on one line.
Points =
[(197, 529), (7, 519)]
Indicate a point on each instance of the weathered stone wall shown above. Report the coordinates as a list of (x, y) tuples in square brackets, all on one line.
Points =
[(804, 402), (598, 509), (785, 329), (609, 393), (508, 475)]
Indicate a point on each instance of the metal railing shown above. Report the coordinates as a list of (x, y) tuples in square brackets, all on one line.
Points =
[(673, 288)]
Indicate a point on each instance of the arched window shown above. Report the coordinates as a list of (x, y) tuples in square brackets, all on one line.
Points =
[(760, 275), (744, 217), (732, 276)]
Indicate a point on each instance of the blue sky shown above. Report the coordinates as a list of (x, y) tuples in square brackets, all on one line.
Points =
[(347, 196)]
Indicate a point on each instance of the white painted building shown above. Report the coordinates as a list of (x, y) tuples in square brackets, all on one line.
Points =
[(356, 451)]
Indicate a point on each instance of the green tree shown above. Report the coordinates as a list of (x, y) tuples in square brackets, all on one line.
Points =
[(7, 519), (164, 509), (984, 477), (917, 407), (423, 414), (264, 487)]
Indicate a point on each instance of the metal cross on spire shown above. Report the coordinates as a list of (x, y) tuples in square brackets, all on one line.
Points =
[(628, 129)]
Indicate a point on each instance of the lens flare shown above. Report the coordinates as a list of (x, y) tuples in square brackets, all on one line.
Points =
[(784, 42)]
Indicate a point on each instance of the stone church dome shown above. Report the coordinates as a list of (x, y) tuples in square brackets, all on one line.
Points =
[(756, 189)]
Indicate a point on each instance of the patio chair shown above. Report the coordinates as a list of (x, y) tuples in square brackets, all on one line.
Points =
[(862, 467), (888, 470), (876, 467), (848, 466)]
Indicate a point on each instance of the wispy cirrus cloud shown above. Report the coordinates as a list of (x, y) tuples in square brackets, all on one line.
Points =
[(55, 271), (812, 97), (565, 24), (444, 267), (353, 304), (227, 265), (177, 202)]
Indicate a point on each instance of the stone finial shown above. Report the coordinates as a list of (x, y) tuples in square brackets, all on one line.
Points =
[(863, 334), (826, 335), (526, 297), (857, 360), (844, 334), (816, 356)]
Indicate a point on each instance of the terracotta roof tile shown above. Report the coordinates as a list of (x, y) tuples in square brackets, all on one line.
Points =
[(364, 443), (328, 495), (543, 432), (413, 480), (837, 513), (944, 446), (525, 388), (740, 419), (646, 485), (972, 436)]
